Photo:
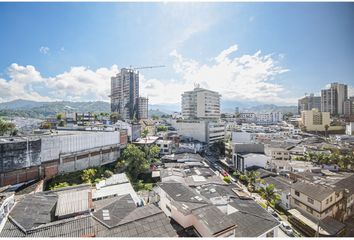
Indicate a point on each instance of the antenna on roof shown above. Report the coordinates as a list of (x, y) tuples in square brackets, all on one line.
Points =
[(196, 85)]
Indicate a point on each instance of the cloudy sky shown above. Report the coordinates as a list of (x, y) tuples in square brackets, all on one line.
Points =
[(255, 52)]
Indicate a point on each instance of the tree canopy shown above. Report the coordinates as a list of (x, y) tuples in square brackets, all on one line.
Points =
[(6, 128), (269, 194)]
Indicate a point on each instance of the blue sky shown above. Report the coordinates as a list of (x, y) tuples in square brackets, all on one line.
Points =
[(249, 52)]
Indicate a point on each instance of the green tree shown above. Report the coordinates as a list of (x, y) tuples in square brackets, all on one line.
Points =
[(151, 153), (46, 125), (136, 161), (59, 185), (236, 174), (252, 177), (155, 117), (227, 179), (108, 174), (218, 147), (144, 134), (6, 127), (326, 130), (60, 116), (115, 117), (162, 128), (268, 193), (120, 166), (89, 175)]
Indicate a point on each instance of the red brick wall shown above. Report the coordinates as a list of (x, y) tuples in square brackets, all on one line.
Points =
[(19, 176)]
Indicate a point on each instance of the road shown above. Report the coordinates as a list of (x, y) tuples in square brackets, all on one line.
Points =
[(217, 167), (282, 234)]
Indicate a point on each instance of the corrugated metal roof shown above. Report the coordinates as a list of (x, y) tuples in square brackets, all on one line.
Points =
[(119, 190), (113, 180), (69, 202)]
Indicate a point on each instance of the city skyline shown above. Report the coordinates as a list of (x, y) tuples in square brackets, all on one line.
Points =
[(259, 52)]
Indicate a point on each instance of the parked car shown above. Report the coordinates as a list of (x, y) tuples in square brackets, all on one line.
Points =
[(286, 228), (224, 173), (276, 216)]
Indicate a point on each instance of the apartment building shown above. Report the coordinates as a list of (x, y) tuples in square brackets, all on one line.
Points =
[(278, 153), (165, 146), (316, 200), (201, 104), (248, 117), (201, 130), (143, 108), (315, 120), (332, 99), (309, 102), (349, 107), (125, 93), (269, 118)]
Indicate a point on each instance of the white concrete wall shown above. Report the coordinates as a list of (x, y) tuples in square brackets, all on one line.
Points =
[(54, 145), (197, 130)]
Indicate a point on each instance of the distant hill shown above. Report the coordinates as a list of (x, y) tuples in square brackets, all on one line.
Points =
[(157, 112), (272, 108), (33, 109)]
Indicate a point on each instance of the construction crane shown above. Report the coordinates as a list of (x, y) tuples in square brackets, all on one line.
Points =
[(157, 66)]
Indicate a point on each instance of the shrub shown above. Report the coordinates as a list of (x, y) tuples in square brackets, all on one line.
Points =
[(227, 179)]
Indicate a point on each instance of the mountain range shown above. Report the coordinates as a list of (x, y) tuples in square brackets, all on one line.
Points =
[(34, 109)]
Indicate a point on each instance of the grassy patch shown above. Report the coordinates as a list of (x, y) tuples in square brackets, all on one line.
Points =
[(263, 205), (76, 178)]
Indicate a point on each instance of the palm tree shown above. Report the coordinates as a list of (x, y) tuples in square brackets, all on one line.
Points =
[(252, 177), (144, 134), (326, 129), (269, 194)]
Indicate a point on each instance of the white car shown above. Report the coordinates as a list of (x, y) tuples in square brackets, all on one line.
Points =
[(286, 228)]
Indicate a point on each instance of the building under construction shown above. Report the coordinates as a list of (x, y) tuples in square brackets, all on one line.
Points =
[(125, 98)]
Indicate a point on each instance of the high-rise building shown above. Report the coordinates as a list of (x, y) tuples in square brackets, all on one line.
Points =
[(143, 112), (201, 103), (125, 93), (332, 99), (309, 102), (349, 107), (314, 120)]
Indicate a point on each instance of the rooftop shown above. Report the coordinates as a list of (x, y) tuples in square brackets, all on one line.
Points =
[(114, 217), (314, 191), (214, 219), (251, 219), (34, 210), (185, 198), (183, 157)]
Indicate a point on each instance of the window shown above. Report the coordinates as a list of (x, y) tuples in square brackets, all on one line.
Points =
[(297, 193), (327, 201), (310, 200), (297, 202), (168, 208), (310, 210), (331, 199)]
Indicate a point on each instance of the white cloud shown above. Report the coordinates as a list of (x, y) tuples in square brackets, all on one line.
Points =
[(78, 84), (44, 50), (242, 78), (223, 55)]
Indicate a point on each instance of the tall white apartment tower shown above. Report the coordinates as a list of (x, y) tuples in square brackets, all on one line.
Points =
[(332, 99), (201, 104)]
